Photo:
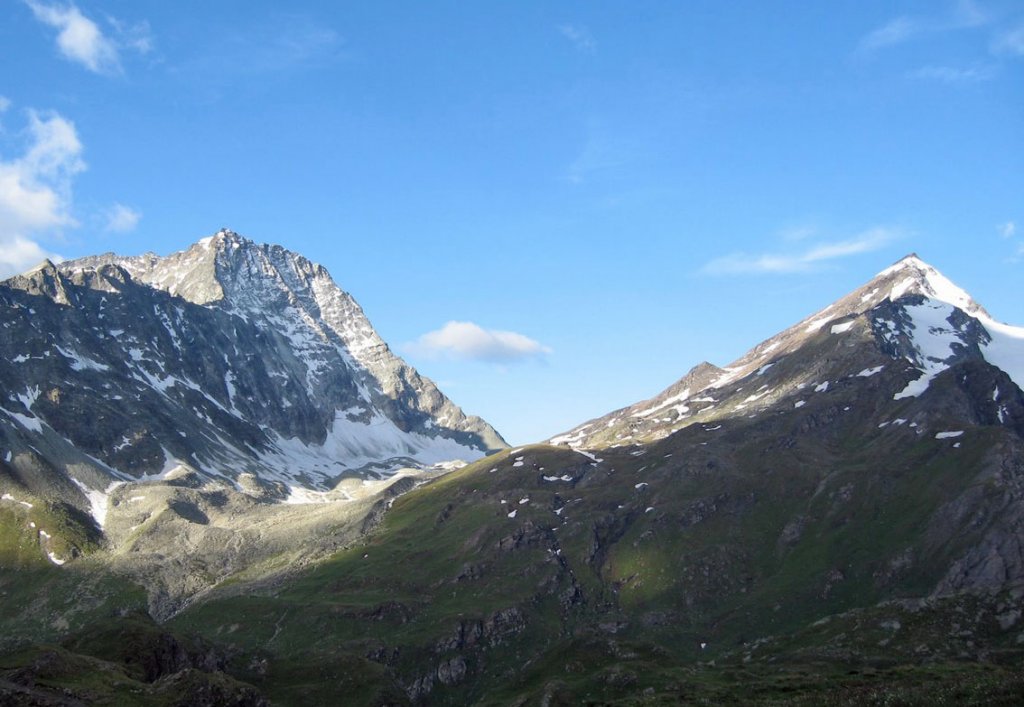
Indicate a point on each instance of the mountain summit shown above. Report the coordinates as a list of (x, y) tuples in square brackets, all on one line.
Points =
[(909, 320), (229, 359)]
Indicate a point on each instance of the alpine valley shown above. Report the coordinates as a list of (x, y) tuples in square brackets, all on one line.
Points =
[(221, 487)]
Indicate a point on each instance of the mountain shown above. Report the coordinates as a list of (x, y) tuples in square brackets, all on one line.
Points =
[(835, 518), (229, 359), (909, 321)]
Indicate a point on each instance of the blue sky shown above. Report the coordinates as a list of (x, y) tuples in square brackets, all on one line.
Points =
[(553, 209)]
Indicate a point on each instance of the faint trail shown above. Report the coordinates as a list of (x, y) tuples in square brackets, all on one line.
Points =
[(277, 626)]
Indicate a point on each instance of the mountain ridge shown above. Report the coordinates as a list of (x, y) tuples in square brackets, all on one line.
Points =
[(907, 280)]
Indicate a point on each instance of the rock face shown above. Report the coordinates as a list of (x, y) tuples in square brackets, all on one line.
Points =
[(234, 360)]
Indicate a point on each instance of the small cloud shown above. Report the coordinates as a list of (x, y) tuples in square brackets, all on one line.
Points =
[(466, 340), (121, 219), (82, 41), (35, 190), (5, 103), (953, 74), (580, 37), (809, 259), (78, 38), (1007, 230)]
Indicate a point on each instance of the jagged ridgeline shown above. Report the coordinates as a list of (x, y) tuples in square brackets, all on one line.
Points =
[(232, 360), (834, 518)]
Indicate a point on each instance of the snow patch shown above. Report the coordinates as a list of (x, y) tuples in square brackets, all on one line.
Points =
[(80, 362), (99, 501), (933, 338), (1006, 349)]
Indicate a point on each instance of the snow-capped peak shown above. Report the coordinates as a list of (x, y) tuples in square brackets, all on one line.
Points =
[(911, 275)]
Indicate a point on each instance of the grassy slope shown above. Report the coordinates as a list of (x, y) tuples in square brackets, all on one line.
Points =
[(606, 583)]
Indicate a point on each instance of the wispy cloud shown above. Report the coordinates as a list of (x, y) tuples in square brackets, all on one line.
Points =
[(580, 37), (82, 41), (466, 340), (809, 259), (136, 36), (603, 150), (1008, 232), (895, 31), (35, 190), (954, 74), (902, 29), (277, 44), (121, 219), (5, 103), (1010, 42), (792, 234)]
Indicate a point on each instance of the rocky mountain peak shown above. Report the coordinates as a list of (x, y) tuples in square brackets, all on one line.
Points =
[(911, 275), (228, 358), (909, 315)]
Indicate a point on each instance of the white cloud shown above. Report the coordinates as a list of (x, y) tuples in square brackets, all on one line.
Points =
[(1007, 230), (82, 41), (18, 254), (5, 103), (953, 74), (35, 190), (580, 37), (121, 219), (78, 38), (467, 340), (809, 259)]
